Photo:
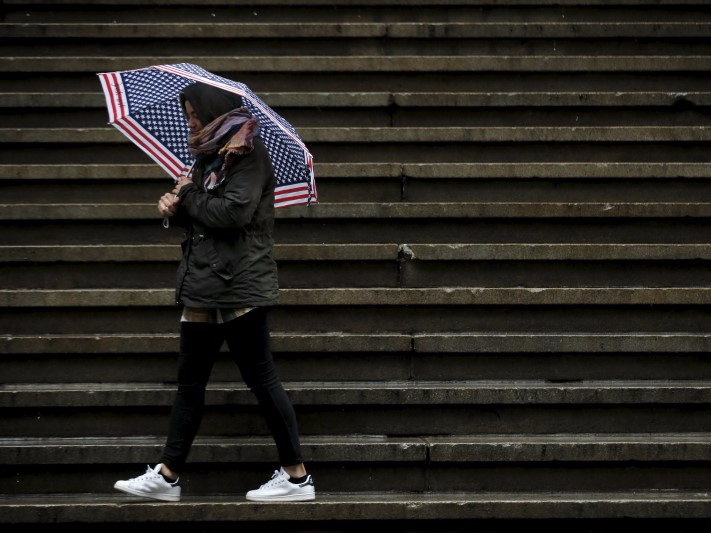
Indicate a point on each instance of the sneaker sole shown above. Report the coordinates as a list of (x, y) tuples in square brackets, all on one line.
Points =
[(289, 498), (161, 497)]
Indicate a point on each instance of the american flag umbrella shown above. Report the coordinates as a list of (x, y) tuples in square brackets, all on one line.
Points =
[(143, 104)]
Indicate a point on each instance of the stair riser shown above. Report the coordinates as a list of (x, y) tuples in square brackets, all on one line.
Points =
[(438, 419), (393, 189), (604, 45), (367, 81), (287, 12), (432, 115), (340, 367), (366, 319), (363, 274), (385, 231), (383, 152), (236, 477)]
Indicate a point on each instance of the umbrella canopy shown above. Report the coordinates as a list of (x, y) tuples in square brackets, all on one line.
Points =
[(144, 105)]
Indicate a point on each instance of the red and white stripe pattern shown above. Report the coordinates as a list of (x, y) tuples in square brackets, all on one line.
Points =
[(117, 105)]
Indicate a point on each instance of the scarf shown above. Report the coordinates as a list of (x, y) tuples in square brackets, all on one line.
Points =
[(228, 136)]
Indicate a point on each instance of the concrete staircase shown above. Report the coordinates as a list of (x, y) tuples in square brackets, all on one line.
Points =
[(496, 317)]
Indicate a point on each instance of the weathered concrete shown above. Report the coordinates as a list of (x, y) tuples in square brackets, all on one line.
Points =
[(429, 343), (555, 252), (347, 449), (392, 393), (407, 135), (562, 343), (423, 210), (167, 343), (302, 64), (373, 448), (154, 172), (567, 170), (32, 509), (441, 296), (171, 253), (579, 447), (402, 99), (403, 30), (431, 171)]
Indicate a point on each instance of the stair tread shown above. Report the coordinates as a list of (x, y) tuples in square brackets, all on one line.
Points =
[(377, 63), (345, 170), (449, 385), (390, 210), (386, 3), (392, 30), (363, 99), (679, 447), (389, 297), (335, 342), (391, 393), (602, 439), (57, 508), (395, 134), (372, 252)]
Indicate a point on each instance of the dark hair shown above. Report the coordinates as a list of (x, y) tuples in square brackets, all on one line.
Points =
[(209, 102)]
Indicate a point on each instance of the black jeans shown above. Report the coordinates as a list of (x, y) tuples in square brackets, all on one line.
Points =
[(247, 338)]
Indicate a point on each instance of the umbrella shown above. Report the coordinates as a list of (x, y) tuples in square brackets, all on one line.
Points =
[(143, 104)]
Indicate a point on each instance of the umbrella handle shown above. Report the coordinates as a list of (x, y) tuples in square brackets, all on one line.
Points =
[(166, 220)]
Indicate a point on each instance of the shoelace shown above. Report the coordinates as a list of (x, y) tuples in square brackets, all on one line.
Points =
[(150, 473), (275, 479)]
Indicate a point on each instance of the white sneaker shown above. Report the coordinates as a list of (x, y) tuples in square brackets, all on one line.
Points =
[(280, 489), (151, 485)]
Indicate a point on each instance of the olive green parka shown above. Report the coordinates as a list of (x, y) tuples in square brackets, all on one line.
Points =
[(227, 252)]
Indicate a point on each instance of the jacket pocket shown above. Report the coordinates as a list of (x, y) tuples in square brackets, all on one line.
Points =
[(218, 265)]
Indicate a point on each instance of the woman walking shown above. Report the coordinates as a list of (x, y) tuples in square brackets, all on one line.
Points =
[(226, 280)]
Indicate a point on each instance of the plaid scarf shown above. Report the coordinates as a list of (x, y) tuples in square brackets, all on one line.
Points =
[(228, 135)]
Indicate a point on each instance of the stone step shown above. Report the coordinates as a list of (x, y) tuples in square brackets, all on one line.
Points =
[(387, 297), (42, 357), (384, 310), (389, 182), (387, 265), (404, 408), (688, 78), (372, 170), (369, 63), (232, 465), (398, 210), (343, 343), (372, 252), (338, 448), (74, 101), (341, 11), (521, 223), (345, 39), (390, 393), (645, 144), (582, 447), (195, 31), (332, 511), (677, 112), (670, 316), (396, 135)]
